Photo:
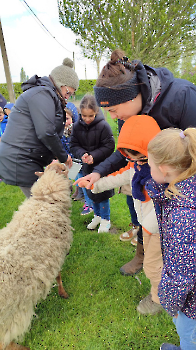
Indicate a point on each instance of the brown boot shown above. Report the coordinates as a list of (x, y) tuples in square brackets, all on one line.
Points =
[(136, 264), (75, 193), (148, 306), (80, 195)]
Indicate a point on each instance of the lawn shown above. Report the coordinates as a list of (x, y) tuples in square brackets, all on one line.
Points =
[(101, 310)]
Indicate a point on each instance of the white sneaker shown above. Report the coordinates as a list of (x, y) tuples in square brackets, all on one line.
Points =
[(94, 223), (128, 236), (104, 226)]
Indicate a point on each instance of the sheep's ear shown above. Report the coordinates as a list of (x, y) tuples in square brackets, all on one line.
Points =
[(39, 173)]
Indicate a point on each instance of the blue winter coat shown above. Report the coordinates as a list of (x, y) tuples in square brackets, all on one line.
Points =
[(177, 227), (33, 133), (3, 125), (170, 101), (65, 138)]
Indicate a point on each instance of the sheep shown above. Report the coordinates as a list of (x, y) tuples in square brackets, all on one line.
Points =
[(32, 251)]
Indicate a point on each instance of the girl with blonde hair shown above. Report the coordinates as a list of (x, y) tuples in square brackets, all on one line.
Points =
[(172, 158)]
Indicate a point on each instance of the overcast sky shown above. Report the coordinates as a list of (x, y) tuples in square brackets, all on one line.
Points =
[(29, 46)]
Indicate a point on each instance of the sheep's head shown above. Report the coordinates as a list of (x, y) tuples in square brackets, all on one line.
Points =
[(60, 168), (53, 183)]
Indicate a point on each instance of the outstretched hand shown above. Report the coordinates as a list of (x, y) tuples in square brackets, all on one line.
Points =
[(91, 179), (84, 183)]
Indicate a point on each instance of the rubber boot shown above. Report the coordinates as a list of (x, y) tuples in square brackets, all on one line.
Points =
[(136, 264)]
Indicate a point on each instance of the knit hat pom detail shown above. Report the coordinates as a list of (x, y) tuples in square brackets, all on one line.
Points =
[(68, 62), (65, 75)]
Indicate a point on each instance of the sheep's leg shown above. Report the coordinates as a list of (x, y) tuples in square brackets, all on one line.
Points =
[(13, 346), (61, 289)]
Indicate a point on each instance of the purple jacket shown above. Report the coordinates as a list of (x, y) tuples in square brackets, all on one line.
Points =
[(177, 225)]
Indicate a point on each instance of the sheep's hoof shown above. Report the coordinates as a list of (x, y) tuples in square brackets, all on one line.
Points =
[(62, 293)]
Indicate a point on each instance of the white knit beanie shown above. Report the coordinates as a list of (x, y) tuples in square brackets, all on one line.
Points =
[(65, 75)]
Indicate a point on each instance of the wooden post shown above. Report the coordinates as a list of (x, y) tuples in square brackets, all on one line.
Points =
[(6, 67)]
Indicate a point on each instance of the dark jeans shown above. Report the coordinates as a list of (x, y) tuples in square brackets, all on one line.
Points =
[(134, 218), (132, 211)]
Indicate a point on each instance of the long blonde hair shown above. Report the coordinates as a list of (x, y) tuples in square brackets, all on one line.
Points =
[(177, 149)]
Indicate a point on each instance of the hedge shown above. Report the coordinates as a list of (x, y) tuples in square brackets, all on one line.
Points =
[(191, 76), (85, 86)]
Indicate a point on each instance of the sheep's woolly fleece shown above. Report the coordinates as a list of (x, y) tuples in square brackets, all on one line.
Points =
[(32, 251)]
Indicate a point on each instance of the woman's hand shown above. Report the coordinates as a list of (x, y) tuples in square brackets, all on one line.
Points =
[(91, 178)]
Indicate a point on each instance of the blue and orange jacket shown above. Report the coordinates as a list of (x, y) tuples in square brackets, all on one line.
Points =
[(135, 134)]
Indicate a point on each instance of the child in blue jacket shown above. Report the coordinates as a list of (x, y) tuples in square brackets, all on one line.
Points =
[(172, 158), (67, 131), (3, 122)]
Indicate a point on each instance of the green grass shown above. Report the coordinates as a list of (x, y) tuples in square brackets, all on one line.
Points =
[(113, 123), (101, 310)]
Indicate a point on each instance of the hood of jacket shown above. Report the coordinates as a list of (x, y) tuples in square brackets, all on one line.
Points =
[(136, 133), (186, 187), (37, 81), (46, 82), (155, 81)]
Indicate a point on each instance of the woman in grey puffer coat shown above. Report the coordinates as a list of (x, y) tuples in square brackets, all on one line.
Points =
[(35, 127)]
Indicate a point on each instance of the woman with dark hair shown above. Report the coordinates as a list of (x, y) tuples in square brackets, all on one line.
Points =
[(125, 88)]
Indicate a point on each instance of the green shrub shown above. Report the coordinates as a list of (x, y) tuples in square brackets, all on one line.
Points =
[(85, 86), (17, 89), (191, 76), (4, 91)]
